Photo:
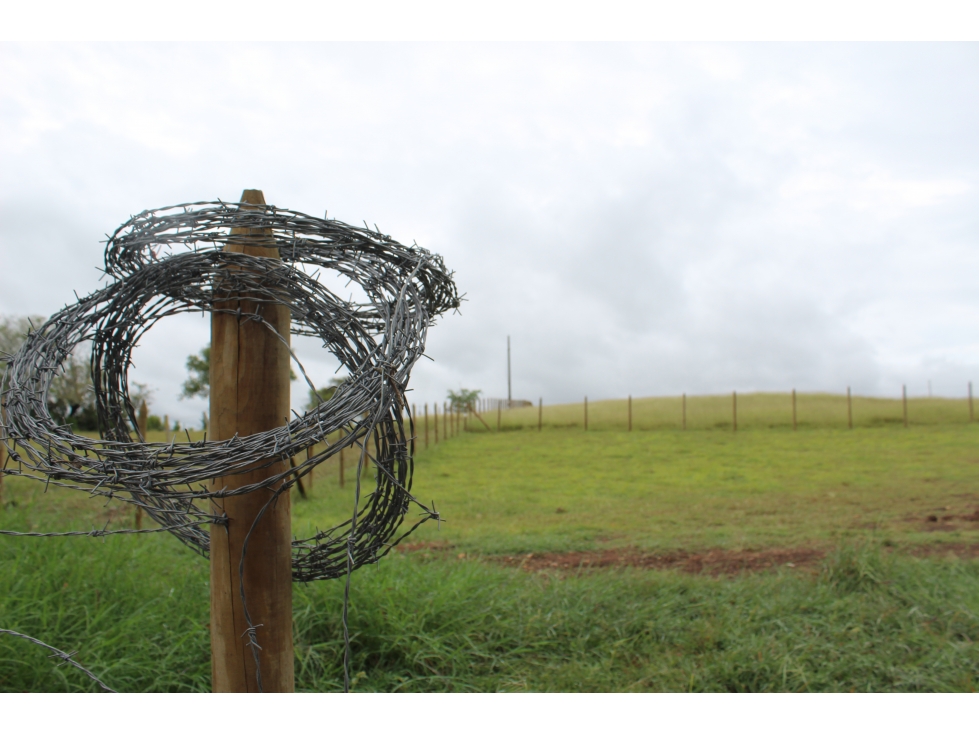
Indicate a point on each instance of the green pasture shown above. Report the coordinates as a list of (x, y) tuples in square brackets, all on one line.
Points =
[(754, 410), (873, 616), (527, 491), (135, 610)]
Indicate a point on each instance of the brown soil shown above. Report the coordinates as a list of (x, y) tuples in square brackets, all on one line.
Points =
[(960, 550), (713, 562), (716, 562)]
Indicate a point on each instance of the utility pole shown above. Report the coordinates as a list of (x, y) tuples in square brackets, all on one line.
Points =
[(509, 383)]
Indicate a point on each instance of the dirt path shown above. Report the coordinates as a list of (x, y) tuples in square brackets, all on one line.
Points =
[(716, 562)]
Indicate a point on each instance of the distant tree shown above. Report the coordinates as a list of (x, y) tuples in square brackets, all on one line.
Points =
[(324, 393), (71, 399), (464, 400), (198, 384)]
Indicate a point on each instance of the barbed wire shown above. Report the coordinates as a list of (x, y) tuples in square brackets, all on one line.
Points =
[(173, 260), (64, 656)]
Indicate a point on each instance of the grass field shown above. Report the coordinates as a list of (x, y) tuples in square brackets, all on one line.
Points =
[(754, 410), (889, 604)]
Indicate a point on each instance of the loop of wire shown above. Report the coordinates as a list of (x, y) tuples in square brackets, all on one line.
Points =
[(173, 260)]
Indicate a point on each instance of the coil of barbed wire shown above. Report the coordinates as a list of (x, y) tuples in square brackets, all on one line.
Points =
[(173, 260)]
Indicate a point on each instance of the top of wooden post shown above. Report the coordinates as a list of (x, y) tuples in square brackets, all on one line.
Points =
[(253, 196)]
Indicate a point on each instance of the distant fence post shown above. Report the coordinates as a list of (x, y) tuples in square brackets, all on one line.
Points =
[(734, 410), (426, 425), (630, 412), (3, 462), (794, 424), (849, 408), (540, 415), (970, 402), (445, 421), (904, 403), (683, 420), (435, 410), (341, 468), (586, 412), (309, 457)]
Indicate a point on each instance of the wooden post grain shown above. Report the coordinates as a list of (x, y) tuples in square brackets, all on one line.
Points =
[(794, 425), (904, 403), (849, 408), (249, 381), (630, 412), (734, 410)]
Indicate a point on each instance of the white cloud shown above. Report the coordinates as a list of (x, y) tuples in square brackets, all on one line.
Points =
[(640, 218)]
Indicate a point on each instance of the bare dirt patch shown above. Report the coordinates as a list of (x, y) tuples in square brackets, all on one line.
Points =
[(965, 551), (713, 562)]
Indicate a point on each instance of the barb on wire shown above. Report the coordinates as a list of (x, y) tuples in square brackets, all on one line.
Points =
[(62, 655)]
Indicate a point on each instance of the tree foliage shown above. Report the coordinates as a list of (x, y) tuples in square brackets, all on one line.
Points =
[(464, 400), (324, 393), (198, 384), (71, 398)]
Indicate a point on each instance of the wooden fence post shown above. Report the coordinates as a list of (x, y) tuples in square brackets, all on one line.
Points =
[(341, 468), (586, 412), (309, 480), (734, 410), (630, 412), (683, 421), (435, 410), (3, 462), (849, 408), (794, 424), (249, 394), (540, 413), (426, 425), (904, 403)]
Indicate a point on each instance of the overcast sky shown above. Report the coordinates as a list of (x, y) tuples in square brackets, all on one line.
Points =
[(644, 219)]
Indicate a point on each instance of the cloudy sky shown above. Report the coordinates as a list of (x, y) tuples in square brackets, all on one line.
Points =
[(644, 219)]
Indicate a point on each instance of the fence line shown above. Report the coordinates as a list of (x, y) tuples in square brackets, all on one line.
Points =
[(747, 410)]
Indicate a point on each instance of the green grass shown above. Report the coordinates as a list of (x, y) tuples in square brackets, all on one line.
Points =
[(502, 492), (136, 611), (755, 410), (872, 618)]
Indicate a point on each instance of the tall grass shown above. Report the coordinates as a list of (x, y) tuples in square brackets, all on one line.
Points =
[(136, 610)]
